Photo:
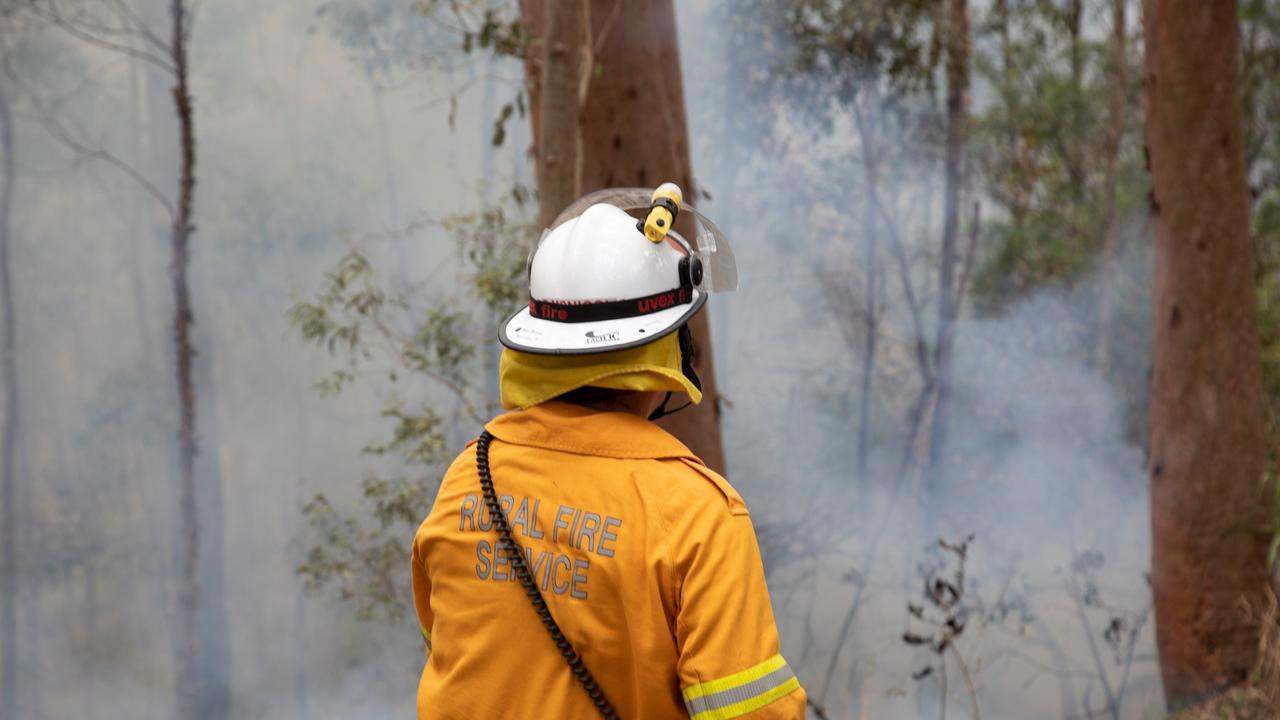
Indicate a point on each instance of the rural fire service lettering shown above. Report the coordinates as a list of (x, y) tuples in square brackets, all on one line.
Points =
[(587, 532)]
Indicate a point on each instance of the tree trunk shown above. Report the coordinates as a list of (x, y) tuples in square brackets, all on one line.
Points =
[(1072, 146), (559, 138), (392, 187), (212, 649), (948, 295), (1017, 195), (188, 545), (1209, 504), (153, 234), (9, 441), (870, 237), (301, 685), (1119, 93), (634, 133)]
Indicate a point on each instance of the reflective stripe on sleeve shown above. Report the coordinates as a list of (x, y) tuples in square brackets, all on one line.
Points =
[(742, 692), (426, 638)]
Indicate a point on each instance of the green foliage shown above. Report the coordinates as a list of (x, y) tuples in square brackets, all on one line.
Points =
[(385, 37), (499, 262), (349, 294), (416, 437), (405, 337), (364, 565), (1260, 36), (441, 343), (860, 41), (499, 30), (1040, 147)]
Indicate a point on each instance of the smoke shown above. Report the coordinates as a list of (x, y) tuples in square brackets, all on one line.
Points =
[(293, 166), (1043, 462), (291, 169)]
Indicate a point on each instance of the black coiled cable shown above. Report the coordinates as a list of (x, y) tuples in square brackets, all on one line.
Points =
[(515, 553)]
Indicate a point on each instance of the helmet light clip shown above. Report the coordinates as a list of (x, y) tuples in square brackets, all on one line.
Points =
[(664, 207)]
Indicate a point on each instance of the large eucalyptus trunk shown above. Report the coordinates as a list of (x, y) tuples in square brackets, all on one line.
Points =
[(1209, 504), (634, 133), (559, 137)]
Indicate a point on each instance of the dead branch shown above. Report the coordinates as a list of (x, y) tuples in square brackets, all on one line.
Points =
[(141, 27), (970, 687), (967, 268), (885, 517), (1113, 706), (85, 153), (77, 31), (908, 288), (817, 709)]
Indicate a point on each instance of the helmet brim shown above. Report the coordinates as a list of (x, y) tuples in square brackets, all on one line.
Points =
[(526, 333)]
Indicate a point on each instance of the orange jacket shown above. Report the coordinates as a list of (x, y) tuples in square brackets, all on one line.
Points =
[(647, 560)]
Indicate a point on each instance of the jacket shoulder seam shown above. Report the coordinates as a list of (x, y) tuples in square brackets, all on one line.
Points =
[(733, 501)]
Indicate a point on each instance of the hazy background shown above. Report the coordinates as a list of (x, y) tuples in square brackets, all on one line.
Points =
[(311, 143)]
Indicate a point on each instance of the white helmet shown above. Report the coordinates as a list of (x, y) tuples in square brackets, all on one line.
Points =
[(599, 282)]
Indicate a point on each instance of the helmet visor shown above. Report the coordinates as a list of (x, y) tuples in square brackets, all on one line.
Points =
[(719, 269)]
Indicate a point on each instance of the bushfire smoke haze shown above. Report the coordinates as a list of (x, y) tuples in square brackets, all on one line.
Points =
[(323, 126)]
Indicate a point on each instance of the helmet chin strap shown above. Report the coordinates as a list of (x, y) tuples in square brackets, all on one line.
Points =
[(686, 366), (661, 411)]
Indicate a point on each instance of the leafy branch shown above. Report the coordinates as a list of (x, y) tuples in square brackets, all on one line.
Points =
[(401, 336)]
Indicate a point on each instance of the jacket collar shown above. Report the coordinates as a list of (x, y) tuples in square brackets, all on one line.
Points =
[(559, 425)]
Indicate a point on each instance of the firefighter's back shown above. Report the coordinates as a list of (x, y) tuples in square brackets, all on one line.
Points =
[(611, 513)]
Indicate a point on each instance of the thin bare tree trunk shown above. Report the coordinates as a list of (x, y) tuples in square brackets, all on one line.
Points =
[(492, 353), (559, 137), (9, 443), (948, 295), (154, 110), (213, 652), (392, 187), (1210, 505), (1072, 148), (301, 685), (870, 238), (186, 642), (1016, 193), (1119, 91)]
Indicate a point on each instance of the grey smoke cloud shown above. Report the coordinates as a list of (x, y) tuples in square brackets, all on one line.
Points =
[(293, 166)]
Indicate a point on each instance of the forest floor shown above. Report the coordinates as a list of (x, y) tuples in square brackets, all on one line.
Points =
[(1243, 703), (1259, 699)]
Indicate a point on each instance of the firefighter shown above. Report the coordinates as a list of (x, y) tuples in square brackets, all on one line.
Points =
[(580, 561)]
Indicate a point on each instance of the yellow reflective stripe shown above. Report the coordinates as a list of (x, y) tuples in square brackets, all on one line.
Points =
[(737, 679), (738, 709), (426, 638)]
